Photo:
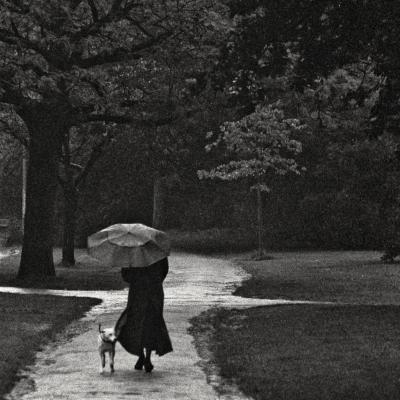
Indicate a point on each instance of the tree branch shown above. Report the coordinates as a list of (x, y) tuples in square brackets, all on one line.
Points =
[(76, 166), (18, 40), (140, 27), (94, 156), (121, 53), (98, 23)]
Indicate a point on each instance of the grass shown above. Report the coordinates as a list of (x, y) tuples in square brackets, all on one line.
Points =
[(350, 277), (29, 321), (308, 352), (88, 274), (348, 350)]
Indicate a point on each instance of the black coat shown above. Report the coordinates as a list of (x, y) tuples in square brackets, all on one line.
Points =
[(142, 324)]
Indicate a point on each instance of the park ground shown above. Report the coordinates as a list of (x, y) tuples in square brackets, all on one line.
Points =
[(348, 350)]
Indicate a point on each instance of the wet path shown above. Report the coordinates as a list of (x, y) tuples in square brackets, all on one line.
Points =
[(70, 369)]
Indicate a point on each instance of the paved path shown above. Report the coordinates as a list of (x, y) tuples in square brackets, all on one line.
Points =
[(70, 370)]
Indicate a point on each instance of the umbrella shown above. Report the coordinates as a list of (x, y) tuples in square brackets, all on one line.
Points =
[(129, 245)]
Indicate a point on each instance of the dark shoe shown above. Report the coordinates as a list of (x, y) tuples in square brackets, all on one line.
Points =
[(148, 366), (139, 364)]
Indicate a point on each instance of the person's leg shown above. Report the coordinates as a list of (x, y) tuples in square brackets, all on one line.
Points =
[(148, 366), (140, 362)]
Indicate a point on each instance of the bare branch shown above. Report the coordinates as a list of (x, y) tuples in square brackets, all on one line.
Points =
[(76, 166)]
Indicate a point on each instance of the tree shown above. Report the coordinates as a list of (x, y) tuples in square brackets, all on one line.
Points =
[(173, 81), (261, 144), (60, 63), (316, 45), (10, 171)]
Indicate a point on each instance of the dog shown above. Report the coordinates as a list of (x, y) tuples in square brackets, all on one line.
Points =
[(107, 339)]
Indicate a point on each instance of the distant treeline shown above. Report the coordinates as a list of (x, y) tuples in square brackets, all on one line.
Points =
[(346, 199)]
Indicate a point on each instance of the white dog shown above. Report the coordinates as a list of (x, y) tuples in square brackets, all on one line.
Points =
[(106, 340)]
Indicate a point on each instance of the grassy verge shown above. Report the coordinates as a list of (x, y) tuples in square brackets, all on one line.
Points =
[(349, 277), (88, 274), (308, 352), (349, 350), (29, 321)]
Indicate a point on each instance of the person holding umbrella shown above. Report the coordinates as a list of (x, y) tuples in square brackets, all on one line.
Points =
[(142, 253)]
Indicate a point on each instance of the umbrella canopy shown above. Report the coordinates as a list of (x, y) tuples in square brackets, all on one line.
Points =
[(129, 245)]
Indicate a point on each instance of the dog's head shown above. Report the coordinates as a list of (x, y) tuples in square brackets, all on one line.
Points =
[(107, 334)]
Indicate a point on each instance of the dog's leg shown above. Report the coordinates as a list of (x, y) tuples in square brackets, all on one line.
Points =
[(103, 362), (112, 355)]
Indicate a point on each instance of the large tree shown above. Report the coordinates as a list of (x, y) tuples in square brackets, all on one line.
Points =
[(173, 81), (66, 63)]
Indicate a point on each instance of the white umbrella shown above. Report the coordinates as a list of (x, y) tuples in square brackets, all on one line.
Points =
[(129, 245)]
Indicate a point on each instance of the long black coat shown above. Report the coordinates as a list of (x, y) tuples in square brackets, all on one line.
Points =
[(142, 324)]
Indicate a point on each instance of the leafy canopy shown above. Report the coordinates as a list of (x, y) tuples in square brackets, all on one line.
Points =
[(260, 143)]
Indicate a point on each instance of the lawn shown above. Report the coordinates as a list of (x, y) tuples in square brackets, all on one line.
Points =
[(87, 274), (29, 321), (308, 352), (349, 276), (348, 350)]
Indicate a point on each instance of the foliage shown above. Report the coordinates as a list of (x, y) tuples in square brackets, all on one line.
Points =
[(64, 64), (260, 144), (310, 39)]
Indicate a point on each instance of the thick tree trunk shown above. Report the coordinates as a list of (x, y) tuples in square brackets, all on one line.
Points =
[(46, 127), (260, 225), (158, 202), (70, 207), (37, 249)]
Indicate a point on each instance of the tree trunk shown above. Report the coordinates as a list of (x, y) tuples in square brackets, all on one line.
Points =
[(158, 202), (37, 249), (46, 125), (260, 226), (70, 207)]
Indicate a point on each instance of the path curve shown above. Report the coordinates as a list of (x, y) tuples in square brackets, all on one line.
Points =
[(69, 371)]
